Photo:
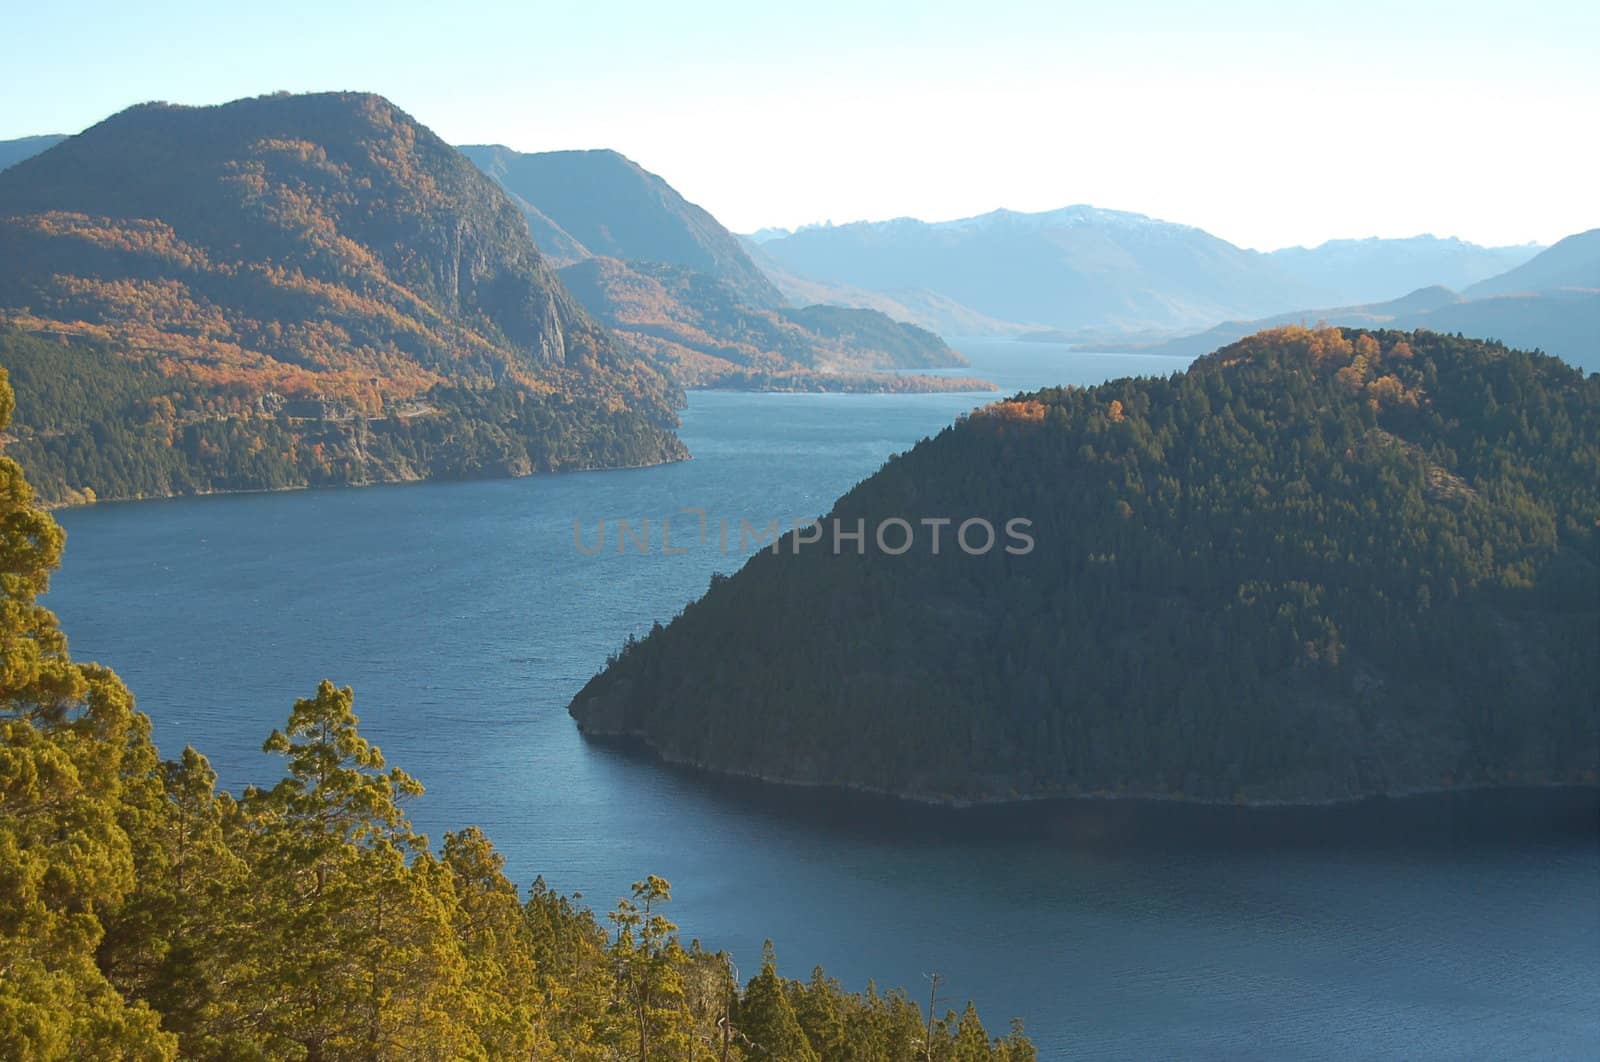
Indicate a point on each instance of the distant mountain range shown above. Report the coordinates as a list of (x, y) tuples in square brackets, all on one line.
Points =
[(677, 287), (291, 290), (1082, 268), (1549, 303), (1343, 272)]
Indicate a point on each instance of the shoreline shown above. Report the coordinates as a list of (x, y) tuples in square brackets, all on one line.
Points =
[(958, 385), (640, 746), (61, 506), (399, 482)]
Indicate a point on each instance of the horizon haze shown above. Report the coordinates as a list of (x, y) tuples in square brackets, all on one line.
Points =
[(1287, 131)]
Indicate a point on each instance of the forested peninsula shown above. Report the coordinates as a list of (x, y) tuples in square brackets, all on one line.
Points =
[(1318, 566)]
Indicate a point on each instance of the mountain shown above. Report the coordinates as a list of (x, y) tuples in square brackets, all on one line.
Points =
[(1376, 315), (1083, 269), (1572, 263), (677, 287), (1550, 303), (1317, 566), (926, 309), (1075, 268), (14, 151), (612, 207), (291, 290), (696, 326), (1344, 272)]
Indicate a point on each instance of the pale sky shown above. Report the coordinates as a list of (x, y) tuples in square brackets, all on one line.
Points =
[(1261, 123)]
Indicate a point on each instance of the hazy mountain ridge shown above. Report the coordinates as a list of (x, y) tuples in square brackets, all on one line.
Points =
[(14, 151), (323, 248), (1572, 263), (1550, 303), (1079, 267), (1087, 269), (926, 309), (1318, 566), (1347, 272), (676, 287)]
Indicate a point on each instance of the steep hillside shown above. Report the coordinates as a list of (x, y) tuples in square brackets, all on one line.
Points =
[(249, 258), (678, 288), (1320, 565), (611, 206), (696, 325)]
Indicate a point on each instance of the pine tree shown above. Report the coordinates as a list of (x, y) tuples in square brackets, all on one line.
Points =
[(971, 1042), (819, 1015), (347, 949), (767, 1019), (497, 945), (650, 964), (64, 858), (160, 946)]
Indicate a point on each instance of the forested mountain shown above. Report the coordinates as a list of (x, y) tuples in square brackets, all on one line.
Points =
[(1319, 565), (1346, 272), (1085, 270), (1572, 263), (678, 288), (145, 915), (293, 261), (14, 151)]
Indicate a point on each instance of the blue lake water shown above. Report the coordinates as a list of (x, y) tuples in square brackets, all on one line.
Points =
[(465, 619)]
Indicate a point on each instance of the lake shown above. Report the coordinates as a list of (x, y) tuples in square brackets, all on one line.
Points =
[(466, 619)]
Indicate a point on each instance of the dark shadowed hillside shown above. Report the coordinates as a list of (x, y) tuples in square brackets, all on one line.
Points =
[(1317, 566)]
